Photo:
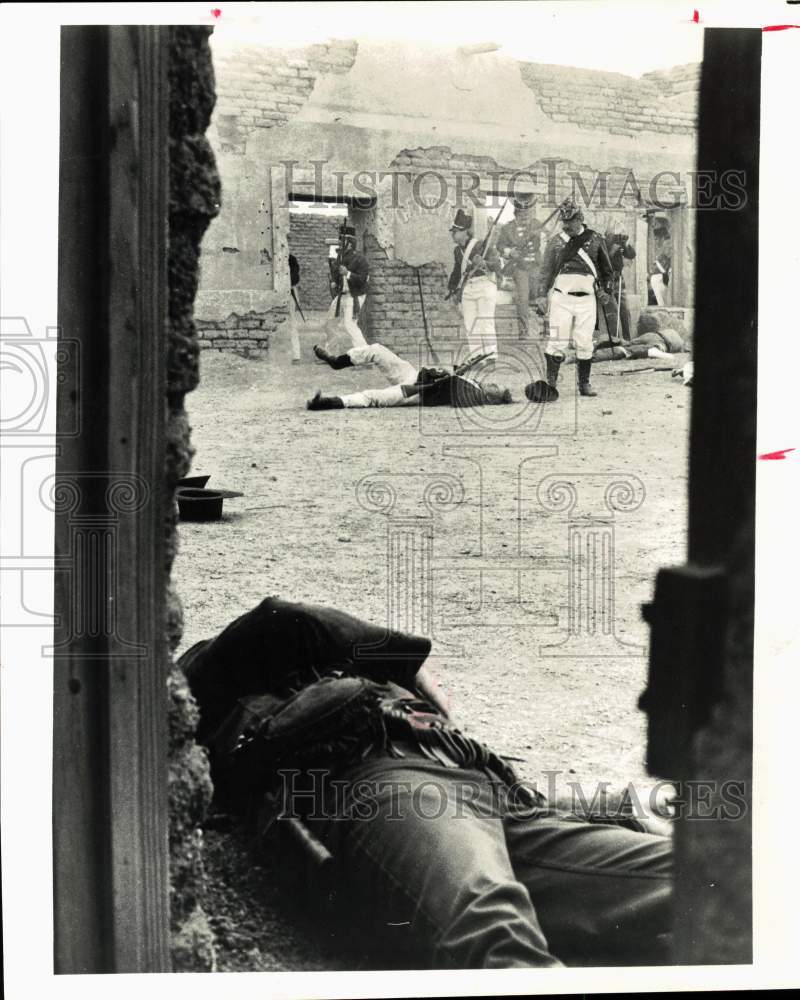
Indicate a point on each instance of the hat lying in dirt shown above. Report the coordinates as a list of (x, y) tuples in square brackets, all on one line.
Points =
[(541, 392), (195, 503)]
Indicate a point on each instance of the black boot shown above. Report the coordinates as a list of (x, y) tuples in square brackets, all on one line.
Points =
[(584, 371), (343, 361), (553, 364), (320, 402)]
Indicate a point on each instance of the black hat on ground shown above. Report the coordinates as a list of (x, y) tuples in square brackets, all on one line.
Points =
[(541, 392)]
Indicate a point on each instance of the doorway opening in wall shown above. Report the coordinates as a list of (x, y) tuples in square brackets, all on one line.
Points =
[(314, 223), (659, 258)]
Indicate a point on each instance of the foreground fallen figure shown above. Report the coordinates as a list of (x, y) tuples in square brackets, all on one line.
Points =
[(646, 345), (408, 385), (431, 833)]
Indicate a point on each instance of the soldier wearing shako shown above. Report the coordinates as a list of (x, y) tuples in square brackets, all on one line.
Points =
[(575, 270), (473, 285), (518, 246), (349, 279)]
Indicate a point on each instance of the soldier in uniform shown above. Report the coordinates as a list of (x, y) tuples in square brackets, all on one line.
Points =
[(620, 250), (518, 247), (575, 269), (478, 293), (349, 278)]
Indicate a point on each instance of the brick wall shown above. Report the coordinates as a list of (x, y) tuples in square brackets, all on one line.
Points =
[(250, 333), (260, 87), (394, 311), (663, 101), (310, 235)]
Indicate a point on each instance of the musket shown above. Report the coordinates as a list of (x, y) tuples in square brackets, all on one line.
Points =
[(433, 353), (484, 248), (339, 280), (296, 302)]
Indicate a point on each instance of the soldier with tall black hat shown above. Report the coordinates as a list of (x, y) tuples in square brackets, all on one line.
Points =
[(575, 270), (350, 277), (518, 247), (472, 283)]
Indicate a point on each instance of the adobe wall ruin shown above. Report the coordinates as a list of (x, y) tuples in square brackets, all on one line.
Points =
[(413, 133)]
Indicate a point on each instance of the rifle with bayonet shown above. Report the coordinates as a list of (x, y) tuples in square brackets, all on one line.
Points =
[(484, 249), (336, 279)]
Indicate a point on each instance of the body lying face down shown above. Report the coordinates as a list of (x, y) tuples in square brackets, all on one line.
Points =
[(446, 862)]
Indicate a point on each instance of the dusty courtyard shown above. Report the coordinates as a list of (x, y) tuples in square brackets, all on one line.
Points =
[(501, 532)]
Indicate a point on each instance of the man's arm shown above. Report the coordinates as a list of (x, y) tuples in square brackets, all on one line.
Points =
[(604, 267), (549, 266), (455, 274)]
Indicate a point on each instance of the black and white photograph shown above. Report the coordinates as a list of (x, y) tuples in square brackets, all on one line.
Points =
[(491, 690)]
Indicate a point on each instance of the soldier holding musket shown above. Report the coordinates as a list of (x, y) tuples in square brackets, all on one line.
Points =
[(620, 250), (349, 278), (472, 284), (518, 246)]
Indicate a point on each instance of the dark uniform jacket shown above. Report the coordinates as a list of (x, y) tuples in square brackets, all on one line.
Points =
[(490, 257), (452, 390), (553, 262), (518, 244), (619, 253), (280, 646), (358, 266)]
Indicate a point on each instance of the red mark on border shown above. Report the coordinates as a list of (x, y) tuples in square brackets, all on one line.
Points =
[(779, 27), (216, 12), (696, 17), (775, 456)]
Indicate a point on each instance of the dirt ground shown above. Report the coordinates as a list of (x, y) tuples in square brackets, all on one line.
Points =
[(491, 564)]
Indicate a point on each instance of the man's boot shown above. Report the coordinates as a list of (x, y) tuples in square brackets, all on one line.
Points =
[(553, 364), (343, 361), (584, 371), (320, 402)]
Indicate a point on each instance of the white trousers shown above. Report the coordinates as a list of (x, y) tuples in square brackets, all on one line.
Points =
[(572, 317), (392, 395), (345, 322), (659, 288), (395, 370), (478, 300)]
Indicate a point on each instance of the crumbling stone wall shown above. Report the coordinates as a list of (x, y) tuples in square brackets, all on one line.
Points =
[(394, 315), (249, 333), (310, 235), (663, 101), (262, 87), (194, 201)]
